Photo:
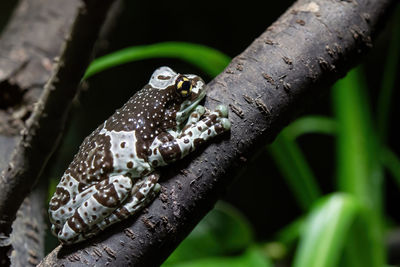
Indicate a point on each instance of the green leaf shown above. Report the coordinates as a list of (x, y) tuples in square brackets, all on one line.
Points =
[(291, 232), (210, 60), (392, 163), (295, 170), (310, 124), (326, 230), (359, 171), (221, 232), (252, 257)]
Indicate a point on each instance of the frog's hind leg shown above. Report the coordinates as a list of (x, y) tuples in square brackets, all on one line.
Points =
[(59, 216), (109, 194), (142, 194)]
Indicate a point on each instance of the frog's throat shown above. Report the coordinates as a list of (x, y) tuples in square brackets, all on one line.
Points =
[(183, 114)]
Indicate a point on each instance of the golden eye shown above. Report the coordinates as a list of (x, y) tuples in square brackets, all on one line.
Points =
[(183, 86)]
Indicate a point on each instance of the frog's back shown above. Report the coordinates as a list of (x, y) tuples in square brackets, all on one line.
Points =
[(93, 161)]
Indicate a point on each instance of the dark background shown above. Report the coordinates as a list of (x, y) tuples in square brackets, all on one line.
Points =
[(229, 26)]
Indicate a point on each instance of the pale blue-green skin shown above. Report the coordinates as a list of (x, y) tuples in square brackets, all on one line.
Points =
[(113, 175)]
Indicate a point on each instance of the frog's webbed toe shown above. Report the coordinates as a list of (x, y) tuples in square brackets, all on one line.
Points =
[(222, 111), (195, 116)]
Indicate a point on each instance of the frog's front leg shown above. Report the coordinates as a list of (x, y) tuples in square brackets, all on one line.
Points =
[(168, 148), (195, 116), (109, 194), (142, 193)]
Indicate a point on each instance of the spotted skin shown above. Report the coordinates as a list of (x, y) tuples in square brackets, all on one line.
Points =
[(114, 175)]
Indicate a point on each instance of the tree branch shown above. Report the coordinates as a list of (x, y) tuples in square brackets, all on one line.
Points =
[(42, 130), (29, 229), (313, 43)]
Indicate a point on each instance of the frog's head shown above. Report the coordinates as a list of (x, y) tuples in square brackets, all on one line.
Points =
[(181, 93)]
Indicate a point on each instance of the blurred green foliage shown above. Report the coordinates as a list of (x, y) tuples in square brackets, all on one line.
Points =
[(343, 228)]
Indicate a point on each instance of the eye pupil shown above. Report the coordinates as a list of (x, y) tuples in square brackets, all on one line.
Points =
[(185, 85)]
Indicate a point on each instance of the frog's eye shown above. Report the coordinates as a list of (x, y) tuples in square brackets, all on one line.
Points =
[(183, 86)]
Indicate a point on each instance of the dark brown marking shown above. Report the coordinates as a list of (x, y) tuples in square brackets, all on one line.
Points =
[(122, 213), (60, 198), (81, 187), (218, 128), (78, 221), (170, 151), (139, 195), (108, 200), (95, 148), (129, 165), (162, 77), (123, 145)]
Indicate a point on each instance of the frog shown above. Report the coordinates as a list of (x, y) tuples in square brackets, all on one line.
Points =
[(115, 172)]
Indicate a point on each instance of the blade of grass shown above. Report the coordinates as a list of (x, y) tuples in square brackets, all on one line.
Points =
[(392, 163), (390, 73), (353, 137), (325, 231), (310, 124), (291, 232), (210, 60), (358, 170), (295, 170)]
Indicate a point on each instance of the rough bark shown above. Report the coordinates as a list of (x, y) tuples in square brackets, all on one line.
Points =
[(26, 56), (39, 134), (313, 43), (27, 237)]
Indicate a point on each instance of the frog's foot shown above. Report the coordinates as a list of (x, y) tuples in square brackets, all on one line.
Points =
[(214, 123), (108, 195), (60, 214), (142, 194), (195, 116)]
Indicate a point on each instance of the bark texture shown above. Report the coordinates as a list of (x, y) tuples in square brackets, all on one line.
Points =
[(26, 60), (29, 229), (75, 26), (313, 43)]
